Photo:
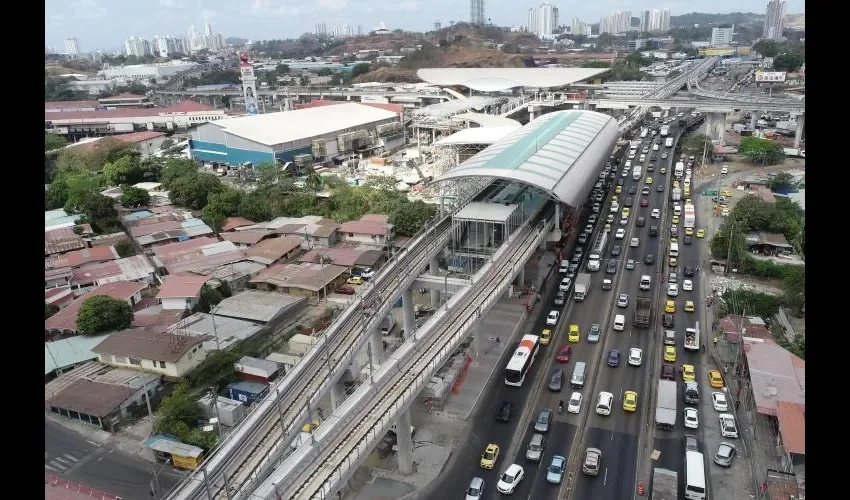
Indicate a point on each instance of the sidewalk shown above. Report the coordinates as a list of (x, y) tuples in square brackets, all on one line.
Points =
[(440, 432)]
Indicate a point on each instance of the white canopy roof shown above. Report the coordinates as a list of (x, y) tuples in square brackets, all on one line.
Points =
[(498, 79)]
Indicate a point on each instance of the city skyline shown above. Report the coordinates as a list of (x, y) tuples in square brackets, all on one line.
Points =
[(101, 25)]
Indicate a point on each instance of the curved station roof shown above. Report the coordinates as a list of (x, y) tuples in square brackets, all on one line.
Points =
[(499, 79), (560, 153)]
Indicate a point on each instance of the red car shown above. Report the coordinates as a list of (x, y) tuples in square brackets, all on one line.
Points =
[(644, 202), (564, 354), (345, 290)]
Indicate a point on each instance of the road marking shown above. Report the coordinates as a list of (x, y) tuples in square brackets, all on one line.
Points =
[(63, 460), (60, 466), (92, 442), (605, 479), (50, 468), (70, 457)]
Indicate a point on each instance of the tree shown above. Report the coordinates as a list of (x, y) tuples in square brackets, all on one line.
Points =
[(125, 248), (103, 313), (324, 72), (741, 301), (781, 180), (759, 150), (53, 141), (313, 180), (132, 197), (124, 170), (210, 297), (50, 310), (695, 144), (281, 69), (178, 414), (304, 80), (408, 218), (767, 48), (80, 188), (787, 62), (794, 289), (267, 172), (193, 190), (100, 213), (175, 168), (359, 69), (255, 207)]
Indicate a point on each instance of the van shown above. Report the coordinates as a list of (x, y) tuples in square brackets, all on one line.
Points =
[(619, 322), (603, 403), (674, 249), (579, 372), (645, 282)]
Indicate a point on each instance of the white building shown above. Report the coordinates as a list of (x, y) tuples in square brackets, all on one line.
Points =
[(543, 20), (774, 18), (721, 37), (172, 355), (137, 72), (72, 47), (476, 12), (138, 47), (617, 22)]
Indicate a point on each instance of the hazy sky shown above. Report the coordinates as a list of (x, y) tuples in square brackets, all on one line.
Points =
[(105, 24)]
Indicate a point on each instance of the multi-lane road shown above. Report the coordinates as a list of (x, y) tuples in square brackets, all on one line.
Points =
[(615, 435)]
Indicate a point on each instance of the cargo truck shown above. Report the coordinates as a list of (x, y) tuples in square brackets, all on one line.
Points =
[(676, 194), (665, 484), (692, 339), (597, 251), (668, 142), (643, 309), (665, 408), (582, 286)]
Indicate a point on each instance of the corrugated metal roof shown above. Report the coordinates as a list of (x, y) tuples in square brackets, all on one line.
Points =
[(255, 305), (792, 426), (776, 375), (497, 79), (68, 352)]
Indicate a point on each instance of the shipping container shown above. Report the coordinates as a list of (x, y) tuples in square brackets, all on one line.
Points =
[(247, 393)]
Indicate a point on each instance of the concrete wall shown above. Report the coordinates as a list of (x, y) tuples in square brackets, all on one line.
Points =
[(179, 303)]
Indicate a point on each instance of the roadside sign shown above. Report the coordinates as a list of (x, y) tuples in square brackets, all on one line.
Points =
[(709, 193)]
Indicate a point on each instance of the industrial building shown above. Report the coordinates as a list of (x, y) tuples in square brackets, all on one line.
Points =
[(314, 136)]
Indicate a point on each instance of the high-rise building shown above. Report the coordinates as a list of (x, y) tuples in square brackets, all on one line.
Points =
[(543, 20), (721, 37), (618, 22), (138, 47), (437, 25), (645, 21), (665, 20), (207, 26), (578, 27), (193, 36), (654, 20), (72, 47), (476, 12), (321, 29), (773, 19), (48, 49)]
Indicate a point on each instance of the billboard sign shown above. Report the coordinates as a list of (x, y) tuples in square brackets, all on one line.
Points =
[(770, 76)]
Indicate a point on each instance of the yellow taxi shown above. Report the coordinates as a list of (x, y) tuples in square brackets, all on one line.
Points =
[(700, 233), (618, 189), (675, 184), (687, 191), (674, 240), (354, 280), (715, 379), (675, 219), (573, 335), (688, 373), (670, 354), (489, 457), (626, 211), (673, 262), (545, 336), (630, 401), (663, 170), (726, 192), (670, 306), (689, 306), (649, 180), (689, 231)]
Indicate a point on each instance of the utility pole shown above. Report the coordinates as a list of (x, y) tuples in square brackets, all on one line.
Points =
[(729, 249)]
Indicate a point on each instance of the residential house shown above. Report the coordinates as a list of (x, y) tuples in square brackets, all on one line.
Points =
[(371, 229), (257, 370), (66, 354), (304, 280), (65, 321), (152, 350), (61, 240), (233, 223), (135, 268), (270, 251), (201, 256), (78, 258), (181, 291), (246, 239)]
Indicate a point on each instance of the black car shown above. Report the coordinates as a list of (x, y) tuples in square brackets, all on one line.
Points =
[(582, 238), (687, 240), (620, 181), (649, 259), (614, 358), (560, 298), (632, 189), (668, 372), (659, 188), (653, 231), (615, 250), (503, 413), (667, 320), (691, 443), (689, 271), (641, 221), (629, 201), (653, 157), (612, 267), (556, 380)]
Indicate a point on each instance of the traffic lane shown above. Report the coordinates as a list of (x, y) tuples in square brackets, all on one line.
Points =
[(559, 439), (63, 448), (671, 448), (616, 477)]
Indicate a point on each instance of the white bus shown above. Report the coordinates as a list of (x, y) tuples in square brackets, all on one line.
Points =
[(521, 360), (694, 476)]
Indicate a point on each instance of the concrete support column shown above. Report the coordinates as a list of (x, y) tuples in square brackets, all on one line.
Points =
[(520, 277), (557, 216), (801, 119), (405, 443), (754, 116), (376, 341), (708, 124), (434, 270), (531, 113), (337, 395), (407, 310)]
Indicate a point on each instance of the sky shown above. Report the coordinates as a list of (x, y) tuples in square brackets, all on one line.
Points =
[(105, 24)]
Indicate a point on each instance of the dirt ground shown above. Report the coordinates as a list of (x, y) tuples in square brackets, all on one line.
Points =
[(739, 165)]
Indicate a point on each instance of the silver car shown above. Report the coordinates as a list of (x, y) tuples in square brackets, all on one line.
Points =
[(592, 462), (555, 472), (534, 452), (593, 334), (556, 380), (725, 454), (476, 489), (543, 420)]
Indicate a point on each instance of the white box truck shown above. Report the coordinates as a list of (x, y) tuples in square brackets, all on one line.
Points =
[(668, 142), (582, 286), (665, 409)]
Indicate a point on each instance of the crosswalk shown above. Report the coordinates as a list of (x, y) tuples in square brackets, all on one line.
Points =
[(63, 462)]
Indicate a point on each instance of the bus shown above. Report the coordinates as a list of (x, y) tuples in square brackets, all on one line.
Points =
[(694, 476), (521, 360), (597, 252)]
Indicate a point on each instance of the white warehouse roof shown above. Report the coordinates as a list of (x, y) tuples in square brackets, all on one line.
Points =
[(286, 126), (498, 79)]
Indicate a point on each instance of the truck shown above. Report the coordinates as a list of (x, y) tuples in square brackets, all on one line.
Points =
[(637, 172), (668, 142), (692, 339), (597, 251), (676, 194), (582, 286), (690, 216), (665, 484), (665, 129), (643, 310), (665, 407), (795, 152)]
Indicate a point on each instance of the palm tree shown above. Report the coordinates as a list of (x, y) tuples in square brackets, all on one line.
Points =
[(313, 180)]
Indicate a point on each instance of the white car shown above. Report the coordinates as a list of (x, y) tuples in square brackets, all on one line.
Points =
[(552, 319), (634, 243), (565, 284), (655, 147), (623, 300), (691, 418), (656, 213), (624, 220), (620, 234), (728, 429), (625, 173), (687, 285), (724, 170), (635, 356), (510, 479), (672, 289), (615, 207), (718, 399), (574, 404)]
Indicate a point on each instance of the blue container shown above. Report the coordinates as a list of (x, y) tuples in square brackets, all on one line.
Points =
[(247, 392)]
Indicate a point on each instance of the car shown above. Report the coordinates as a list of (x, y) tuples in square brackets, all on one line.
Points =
[(489, 457), (544, 418), (592, 462), (609, 219), (700, 233), (687, 285), (626, 212), (623, 300), (672, 289), (552, 318), (578, 252), (673, 262), (689, 271), (345, 290), (718, 400), (724, 212), (687, 240), (536, 448), (635, 356), (672, 277), (728, 429), (668, 320), (641, 221), (668, 372), (354, 280), (607, 284), (715, 379), (555, 471), (620, 234), (573, 335), (614, 358), (663, 156), (674, 231), (656, 213), (611, 267), (475, 490), (689, 231), (659, 188), (724, 170), (670, 306), (644, 190), (582, 238), (634, 242), (574, 403), (560, 298), (615, 250), (625, 172), (630, 265), (630, 401), (588, 228), (644, 202), (670, 354), (688, 373), (594, 333), (725, 454), (689, 306), (691, 443), (691, 418), (663, 170), (649, 259), (645, 150), (510, 479), (655, 147), (556, 380), (675, 219), (649, 180), (629, 201), (632, 190), (565, 284), (503, 412), (545, 336), (615, 207)]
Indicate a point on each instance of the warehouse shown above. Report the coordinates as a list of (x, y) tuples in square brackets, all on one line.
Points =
[(320, 135)]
